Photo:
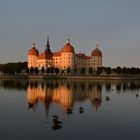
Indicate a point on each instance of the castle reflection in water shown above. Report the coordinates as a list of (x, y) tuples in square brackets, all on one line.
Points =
[(65, 93)]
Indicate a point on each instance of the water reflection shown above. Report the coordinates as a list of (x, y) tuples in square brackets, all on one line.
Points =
[(65, 93), (73, 109)]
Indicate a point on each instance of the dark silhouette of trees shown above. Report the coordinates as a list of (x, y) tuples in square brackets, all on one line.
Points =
[(75, 71), (36, 70), (56, 70), (90, 70), (107, 70), (31, 70), (27, 70), (118, 70), (99, 70), (48, 70), (52, 70), (83, 70), (42, 70), (12, 68), (68, 70)]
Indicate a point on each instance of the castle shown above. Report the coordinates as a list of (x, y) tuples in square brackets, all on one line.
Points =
[(64, 58)]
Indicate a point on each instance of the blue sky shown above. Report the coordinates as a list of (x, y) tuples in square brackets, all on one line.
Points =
[(115, 24)]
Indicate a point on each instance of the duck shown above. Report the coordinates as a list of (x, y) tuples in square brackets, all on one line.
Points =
[(107, 98), (56, 127), (69, 111), (137, 95), (55, 120), (81, 109)]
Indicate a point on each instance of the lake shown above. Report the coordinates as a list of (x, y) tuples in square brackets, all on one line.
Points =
[(69, 110)]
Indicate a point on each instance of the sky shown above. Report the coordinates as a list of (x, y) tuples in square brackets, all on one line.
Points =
[(114, 24)]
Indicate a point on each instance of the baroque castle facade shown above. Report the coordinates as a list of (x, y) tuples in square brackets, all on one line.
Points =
[(64, 58)]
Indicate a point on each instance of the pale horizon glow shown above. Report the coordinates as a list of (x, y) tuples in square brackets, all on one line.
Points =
[(115, 25)]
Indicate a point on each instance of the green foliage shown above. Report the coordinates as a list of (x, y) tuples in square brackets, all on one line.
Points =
[(27, 70), (48, 70), (68, 70), (52, 70), (56, 70), (31, 70), (36, 70), (107, 70), (99, 70), (118, 70), (90, 70), (42, 70), (12, 68), (83, 70), (75, 70)]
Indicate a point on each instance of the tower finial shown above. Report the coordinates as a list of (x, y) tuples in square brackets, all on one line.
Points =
[(68, 40), (33, 44), (97, 45)]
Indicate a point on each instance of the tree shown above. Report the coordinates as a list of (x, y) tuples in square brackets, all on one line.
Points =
[(56, 70), (68, 70), (52, 70), (48, 70), (118, 70), (99, 70), (90, 70), (36, 70), (27, 70), (75, 70), (31, 70), (125, 70), (108, 70), (42, 69), (83, 70)]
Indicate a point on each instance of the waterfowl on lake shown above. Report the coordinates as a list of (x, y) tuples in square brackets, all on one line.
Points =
[(69, 111), (107, 98), (55, 117), (81, 109), (56, 126), (55, 120)]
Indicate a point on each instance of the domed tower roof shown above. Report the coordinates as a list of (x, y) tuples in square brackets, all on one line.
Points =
[(33, 50), (96, 52), (68, 47)]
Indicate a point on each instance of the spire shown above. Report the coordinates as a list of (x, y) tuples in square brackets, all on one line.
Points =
[(48, 44)]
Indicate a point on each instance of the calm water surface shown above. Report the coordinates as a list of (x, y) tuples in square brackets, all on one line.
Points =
[(109, 110)]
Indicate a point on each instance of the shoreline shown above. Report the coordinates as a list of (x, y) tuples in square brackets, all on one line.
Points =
[(71, 77)]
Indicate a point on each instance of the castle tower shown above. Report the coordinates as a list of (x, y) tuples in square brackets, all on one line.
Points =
[(96, 57), (32, 56)]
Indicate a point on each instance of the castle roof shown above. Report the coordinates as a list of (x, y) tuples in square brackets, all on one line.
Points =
[(96, 52), (33, 51), (45, 55), (68, 47)]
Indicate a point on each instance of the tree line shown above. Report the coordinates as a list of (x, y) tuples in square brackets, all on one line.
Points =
[(119, 70), (19, 67), (13, 68)]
